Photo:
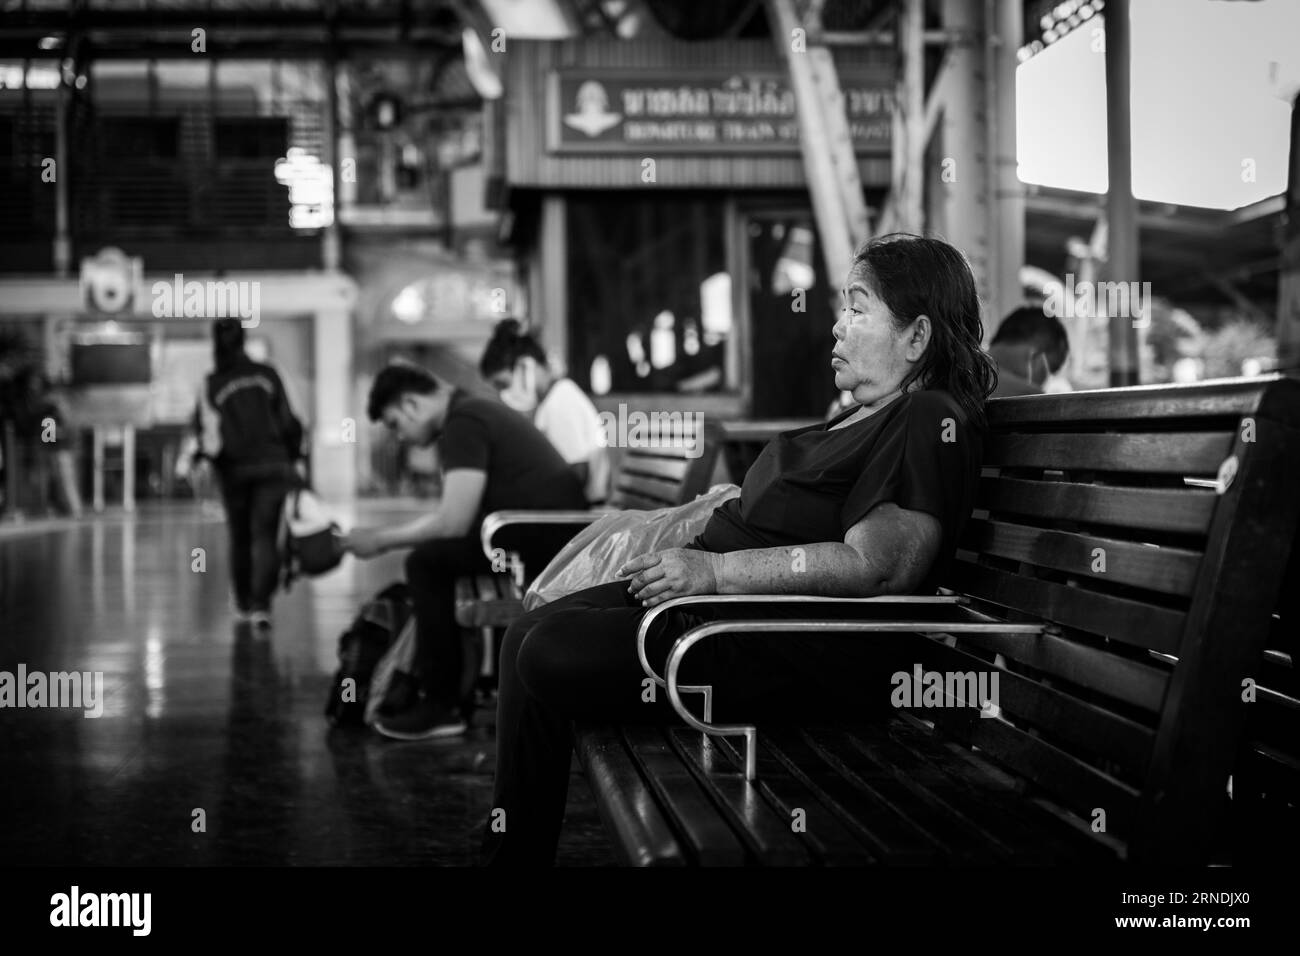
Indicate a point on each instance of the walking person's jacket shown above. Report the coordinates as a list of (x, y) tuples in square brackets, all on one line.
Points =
[(244, 422)]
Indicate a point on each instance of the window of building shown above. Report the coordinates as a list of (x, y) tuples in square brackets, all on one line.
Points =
[(252, 137)]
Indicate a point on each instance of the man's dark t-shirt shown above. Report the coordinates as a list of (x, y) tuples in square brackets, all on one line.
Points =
[(523, 468), (812, 484)]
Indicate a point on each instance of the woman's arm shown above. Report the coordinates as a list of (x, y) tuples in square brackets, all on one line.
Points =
[(889, 551)]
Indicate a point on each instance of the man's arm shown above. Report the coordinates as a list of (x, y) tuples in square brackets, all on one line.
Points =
[(462, 494)]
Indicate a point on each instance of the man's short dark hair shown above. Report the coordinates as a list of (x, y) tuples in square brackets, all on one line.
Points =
[(395, 381), (1033, 327)]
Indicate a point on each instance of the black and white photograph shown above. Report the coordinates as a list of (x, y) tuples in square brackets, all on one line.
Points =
[(447, 440)]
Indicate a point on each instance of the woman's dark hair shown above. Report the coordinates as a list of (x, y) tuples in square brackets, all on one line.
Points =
[(227, 343), (393, 382), (915, 275), (509, 344)]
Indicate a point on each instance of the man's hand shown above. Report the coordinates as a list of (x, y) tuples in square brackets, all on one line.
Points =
[(364, 542), (663, 575)]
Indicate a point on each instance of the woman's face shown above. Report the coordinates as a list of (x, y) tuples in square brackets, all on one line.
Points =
[(870, 358), (520, 387)]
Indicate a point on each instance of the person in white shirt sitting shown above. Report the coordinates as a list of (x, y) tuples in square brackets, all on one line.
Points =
[(516, 366)]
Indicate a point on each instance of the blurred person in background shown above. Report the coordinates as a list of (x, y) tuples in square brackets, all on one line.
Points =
[(248, 433), (1030, 348), (44, 440), (515, 364)]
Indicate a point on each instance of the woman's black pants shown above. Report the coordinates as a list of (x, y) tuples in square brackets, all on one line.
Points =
[(576, 659), (253, 505)]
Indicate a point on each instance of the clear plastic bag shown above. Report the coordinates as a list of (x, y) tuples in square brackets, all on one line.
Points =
[(603, 546)]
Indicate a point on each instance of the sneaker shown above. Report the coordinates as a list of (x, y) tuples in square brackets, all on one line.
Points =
[(423, 721), (403, 693)]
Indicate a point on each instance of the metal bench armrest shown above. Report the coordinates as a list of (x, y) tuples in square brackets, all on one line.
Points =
[(497, 520), (702, 631), (759, 600)]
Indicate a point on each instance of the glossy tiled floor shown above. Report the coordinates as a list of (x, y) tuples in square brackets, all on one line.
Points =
[(200, 716)]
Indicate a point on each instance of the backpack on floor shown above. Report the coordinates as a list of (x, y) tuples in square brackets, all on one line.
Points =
[(361, 647)]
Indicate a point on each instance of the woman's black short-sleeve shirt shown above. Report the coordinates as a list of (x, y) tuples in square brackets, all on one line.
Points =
[(812, 484)]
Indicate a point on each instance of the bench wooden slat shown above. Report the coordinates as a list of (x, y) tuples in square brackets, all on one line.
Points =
[(707, 836), (855, 758), (1139, 685), (642, 833), (633, 502), (989, 795), (1082, 725), (1131, 622), (1165, 569), (878, 826), (1227, 399), (1072, 783), (1181, 511), (827, 837), (665, 493), (769, 838), (669, 469), (1170, 453)]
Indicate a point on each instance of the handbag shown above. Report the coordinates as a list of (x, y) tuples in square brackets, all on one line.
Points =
[(605, 545), (313, 545)]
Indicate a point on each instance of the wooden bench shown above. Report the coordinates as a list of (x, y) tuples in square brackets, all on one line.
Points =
[(1266, 779), (1118, 575), (672, 469)]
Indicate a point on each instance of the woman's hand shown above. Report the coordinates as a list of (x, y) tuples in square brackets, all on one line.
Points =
[(663, 575)]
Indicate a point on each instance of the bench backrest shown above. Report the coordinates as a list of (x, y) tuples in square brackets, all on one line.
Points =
[(1159, 590), (1266, 778), (665, 466)]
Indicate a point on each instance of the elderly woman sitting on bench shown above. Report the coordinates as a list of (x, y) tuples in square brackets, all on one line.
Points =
[(866, 504)]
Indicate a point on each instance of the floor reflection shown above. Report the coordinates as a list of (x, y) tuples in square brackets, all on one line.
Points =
[(202, 715)]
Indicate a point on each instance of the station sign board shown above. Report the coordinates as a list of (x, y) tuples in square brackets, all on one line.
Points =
[(597, 110)]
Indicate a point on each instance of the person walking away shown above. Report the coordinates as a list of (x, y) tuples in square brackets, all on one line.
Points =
[(250, 436)]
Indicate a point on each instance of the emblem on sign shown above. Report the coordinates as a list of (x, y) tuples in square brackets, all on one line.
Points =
[(109, 281), (593, 116)]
